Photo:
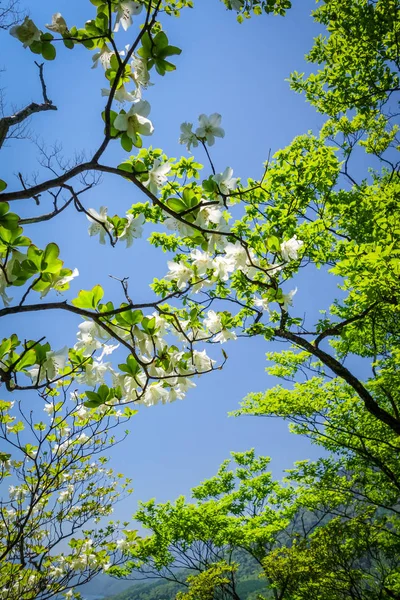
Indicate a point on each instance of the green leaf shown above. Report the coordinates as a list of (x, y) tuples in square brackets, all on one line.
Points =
[(131, 367), (126, 142), (48, 51), (273, 243), (50, 261), (149, 325), (161, 40), (27, 360), (36, 47), (89, 298), (3, 185), (176, 204), (5, 347)]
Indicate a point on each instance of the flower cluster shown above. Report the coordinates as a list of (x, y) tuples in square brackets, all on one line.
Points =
[(209, 128)]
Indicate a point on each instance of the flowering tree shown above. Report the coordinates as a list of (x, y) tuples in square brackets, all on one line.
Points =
[(236, 245), (62, 488)]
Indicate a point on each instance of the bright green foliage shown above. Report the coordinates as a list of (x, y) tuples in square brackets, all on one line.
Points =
[(209, 583), (241, 511), (248, 8), (359, 57)]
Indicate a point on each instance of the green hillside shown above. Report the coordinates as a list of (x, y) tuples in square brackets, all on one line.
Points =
[(247, 589), (249, 584)]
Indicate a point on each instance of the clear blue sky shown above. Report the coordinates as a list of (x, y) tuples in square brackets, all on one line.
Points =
[(239, 71)]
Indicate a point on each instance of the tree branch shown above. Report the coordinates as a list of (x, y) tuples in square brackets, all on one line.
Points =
[(24, 113), (341, 371)]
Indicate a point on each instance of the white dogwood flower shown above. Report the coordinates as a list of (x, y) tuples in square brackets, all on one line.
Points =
[(226, 183), (188, 137), (133, 229), (180, 273), (288, 299), (27, 32), (236, 255), (120, 95), (58, 24), (157, 176), (54, 363), (125, 11), (213, 321), (209, 128), (99, 223), (222, 268), (178, 226), (202, 261), (154, 393), (140, 74), (103, 56), (135, 120), (261, 303), (290, 248), (201, 361)]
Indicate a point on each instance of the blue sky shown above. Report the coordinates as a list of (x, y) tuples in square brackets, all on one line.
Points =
[(238, 71)]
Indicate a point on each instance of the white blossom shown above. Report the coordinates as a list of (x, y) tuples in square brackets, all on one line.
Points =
[(120, 95), (99, 224), (288, 299), (67, 493), (140, 74), (209, 128), (214, 325), (213, 321), (212, 214), (201, 361), (17, 493), (202, 261), (174, 225), (90, 337), (188, 137), (290, 248), (135, 120), (103, 56), (225, 335), (261, 303), (122, 545), (95, 373), (81, 412), (180, 273), (27, 32), (50, 409), (222, 268), (54, 363), (176, 393), (58, 24), (186, 383), (154, 393), (157, 176), (236, 255), (125, 11), (226, 183), (133, 229)]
